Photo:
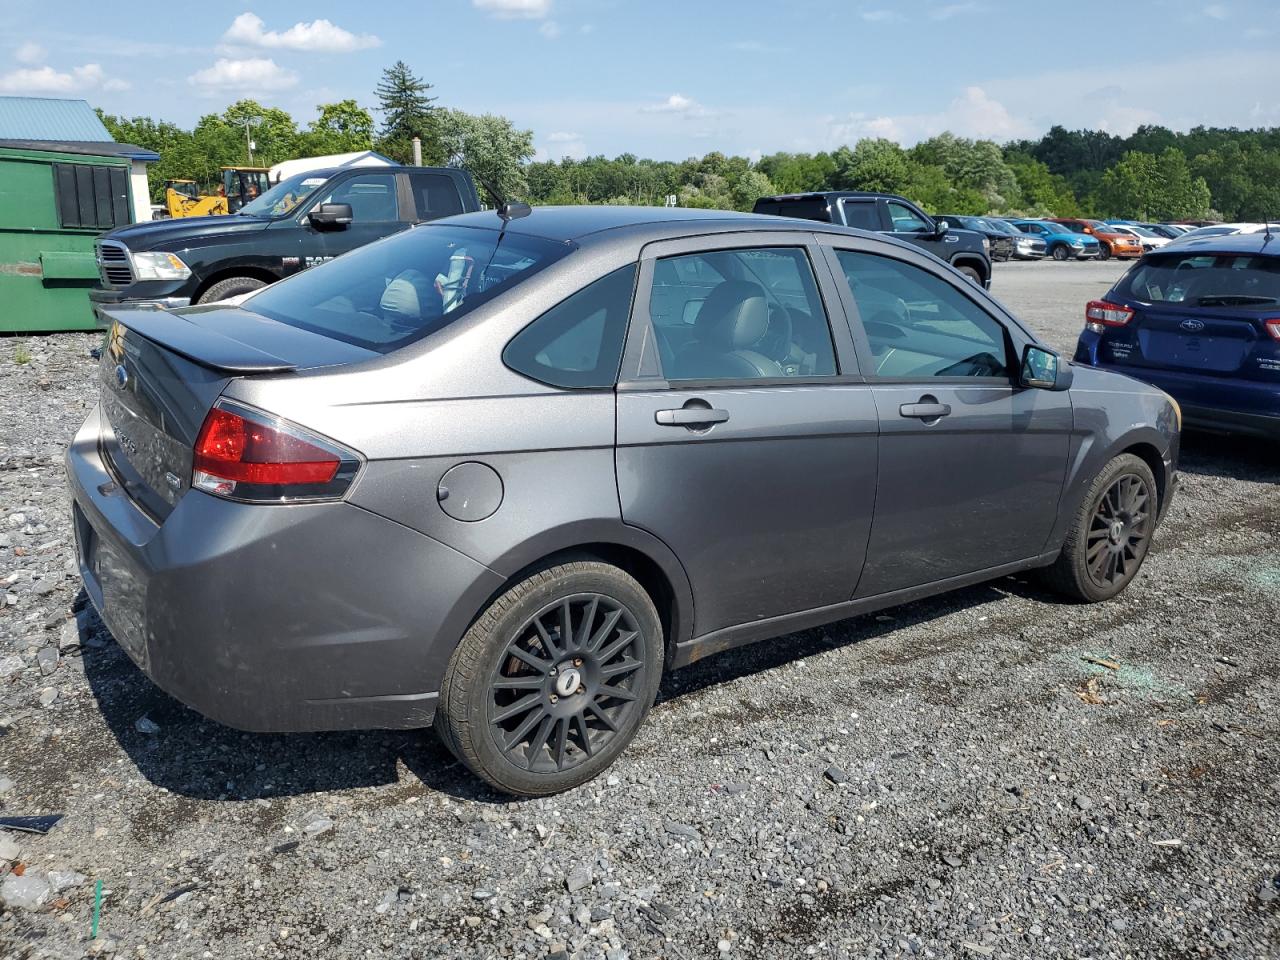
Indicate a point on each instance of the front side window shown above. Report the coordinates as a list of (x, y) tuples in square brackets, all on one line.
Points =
[(578, 342), (748, 314), (372, 198), (403, 288), (1073, 227), (905, 220), (919, 325)]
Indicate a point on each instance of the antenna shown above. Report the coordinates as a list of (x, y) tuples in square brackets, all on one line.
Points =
[(508, 210), (1266, 224)]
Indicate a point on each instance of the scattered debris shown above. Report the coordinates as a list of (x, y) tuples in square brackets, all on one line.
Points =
[(1172, 842), (1101, 662), (287, 847), (31, 824), (26, 891), (1090, 692), (835, 775), (145, 724)]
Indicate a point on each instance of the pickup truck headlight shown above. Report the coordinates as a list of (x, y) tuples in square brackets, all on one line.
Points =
[(159, 266)]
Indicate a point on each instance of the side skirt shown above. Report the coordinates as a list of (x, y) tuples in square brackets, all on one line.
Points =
[(691, 651)]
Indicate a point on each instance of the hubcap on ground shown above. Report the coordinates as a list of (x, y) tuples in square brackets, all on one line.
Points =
[(567, 683), (1118, 531)]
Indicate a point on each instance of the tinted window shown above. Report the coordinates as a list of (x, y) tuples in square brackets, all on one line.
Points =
[(905, 220), (808, 209), (434, 195), (861, 214), (919, 325), (372, 197), (740, 315), (91, 196), (578, 342), (405, 287), (1073, 227), (1205, 280)]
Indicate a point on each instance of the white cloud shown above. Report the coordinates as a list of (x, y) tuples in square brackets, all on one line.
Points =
[(549, 29), (318, 36), (1216, 11), (972, 114), (514, 9), (560, 144), (31, 52), (562, 137), (677, 103), (947, 11), (46, 79), (254, 74), (879, 16)]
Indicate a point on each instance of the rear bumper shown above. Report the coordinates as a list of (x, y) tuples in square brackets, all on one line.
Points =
[(1211, 403), (268, 617)]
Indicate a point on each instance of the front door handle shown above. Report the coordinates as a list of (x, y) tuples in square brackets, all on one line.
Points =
[(926, 409), (691, 417)]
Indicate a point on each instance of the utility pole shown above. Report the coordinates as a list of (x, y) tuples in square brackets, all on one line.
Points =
[(249, 124)]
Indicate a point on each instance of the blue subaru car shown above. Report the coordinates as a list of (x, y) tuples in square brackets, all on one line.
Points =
[(1201, 321), (1059, 242)]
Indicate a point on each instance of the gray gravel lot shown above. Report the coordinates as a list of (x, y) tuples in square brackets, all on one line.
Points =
[(987, 774)]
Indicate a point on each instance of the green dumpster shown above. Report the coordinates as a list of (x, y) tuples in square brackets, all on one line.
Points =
[(53, 205)]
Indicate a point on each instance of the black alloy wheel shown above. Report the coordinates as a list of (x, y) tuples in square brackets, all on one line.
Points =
[(568, 681), (1119, 531)]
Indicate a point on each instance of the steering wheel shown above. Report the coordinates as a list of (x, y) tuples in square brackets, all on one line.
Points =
[(776, 342)]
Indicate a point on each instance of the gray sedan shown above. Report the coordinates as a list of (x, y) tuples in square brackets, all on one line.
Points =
[(502, 471)]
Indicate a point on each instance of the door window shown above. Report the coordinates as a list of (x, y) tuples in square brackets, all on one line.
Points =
[(372, 197), (749, 314), (578, 342), (905, 220), (435, 195), (919, 325), (861, 214)]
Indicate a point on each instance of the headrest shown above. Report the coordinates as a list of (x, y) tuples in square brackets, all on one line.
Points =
[(734, 316)]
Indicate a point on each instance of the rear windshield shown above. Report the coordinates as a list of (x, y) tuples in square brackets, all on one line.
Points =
[(405, 287), (1205, 280)]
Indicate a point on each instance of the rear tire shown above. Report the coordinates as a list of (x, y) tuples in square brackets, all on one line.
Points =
[(532, 708), (1060, 252), (972, 273), (230, 287), (1109, 535)]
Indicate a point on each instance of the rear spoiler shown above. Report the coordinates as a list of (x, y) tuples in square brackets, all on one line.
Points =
[(204, 345)]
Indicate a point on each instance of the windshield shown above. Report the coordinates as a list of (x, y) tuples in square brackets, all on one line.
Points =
[(284, 196), (1144, 232), (1004, 226), (1099, 227), (1206, 280), (407, 286)]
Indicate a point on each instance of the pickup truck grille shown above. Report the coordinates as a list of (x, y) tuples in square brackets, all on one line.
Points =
[(113, 264)]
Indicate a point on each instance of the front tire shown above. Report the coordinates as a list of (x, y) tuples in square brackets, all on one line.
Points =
[(1110, 533), (553, 680), (1060, 252), (230, 287), (1104, 252), (972, 273)]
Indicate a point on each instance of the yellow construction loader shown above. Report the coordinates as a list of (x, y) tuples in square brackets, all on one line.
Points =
[(240, 185)]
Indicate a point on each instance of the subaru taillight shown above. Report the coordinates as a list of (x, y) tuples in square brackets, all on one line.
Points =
[(1100, 314), (1273, 327), (247, 454)]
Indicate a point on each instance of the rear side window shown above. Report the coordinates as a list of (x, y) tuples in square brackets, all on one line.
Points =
[(812, 208), (918, 325), (91, 196), (861, 214), (434, 195), (578, 342), (1205, 280), (403, 288)]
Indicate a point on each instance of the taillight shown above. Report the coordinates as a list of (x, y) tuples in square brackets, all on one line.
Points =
[(1102, 313), (1273, 327), (246, 454)]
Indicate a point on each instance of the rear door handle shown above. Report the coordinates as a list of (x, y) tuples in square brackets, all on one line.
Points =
[(691, 417), (925, 410)]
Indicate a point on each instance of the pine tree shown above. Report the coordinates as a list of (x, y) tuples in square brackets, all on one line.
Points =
[(403, 101)]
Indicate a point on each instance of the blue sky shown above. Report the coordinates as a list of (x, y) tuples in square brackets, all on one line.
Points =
[(675, 78)]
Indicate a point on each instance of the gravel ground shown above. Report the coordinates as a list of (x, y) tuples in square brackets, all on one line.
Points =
[(986, 774)]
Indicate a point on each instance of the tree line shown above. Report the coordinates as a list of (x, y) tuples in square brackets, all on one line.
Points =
[(1153, 174)]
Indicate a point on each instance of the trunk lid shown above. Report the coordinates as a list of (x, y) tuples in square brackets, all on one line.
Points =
[(160, 373), (1202, 339)]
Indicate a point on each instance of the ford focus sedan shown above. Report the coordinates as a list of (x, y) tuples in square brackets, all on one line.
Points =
[(499, 473)]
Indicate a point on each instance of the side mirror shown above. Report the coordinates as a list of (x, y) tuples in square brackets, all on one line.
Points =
[(941, 228), (1044, 370), (331, 215)]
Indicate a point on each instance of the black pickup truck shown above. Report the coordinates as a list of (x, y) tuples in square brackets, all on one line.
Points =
[(887, 213), (301, 221)]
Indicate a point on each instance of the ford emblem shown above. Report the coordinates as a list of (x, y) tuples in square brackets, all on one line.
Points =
[(1192, 325), (122, 376)]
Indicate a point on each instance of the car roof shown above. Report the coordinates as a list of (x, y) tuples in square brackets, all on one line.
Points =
[(577, 222), (1231, 243), (826, 194)]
